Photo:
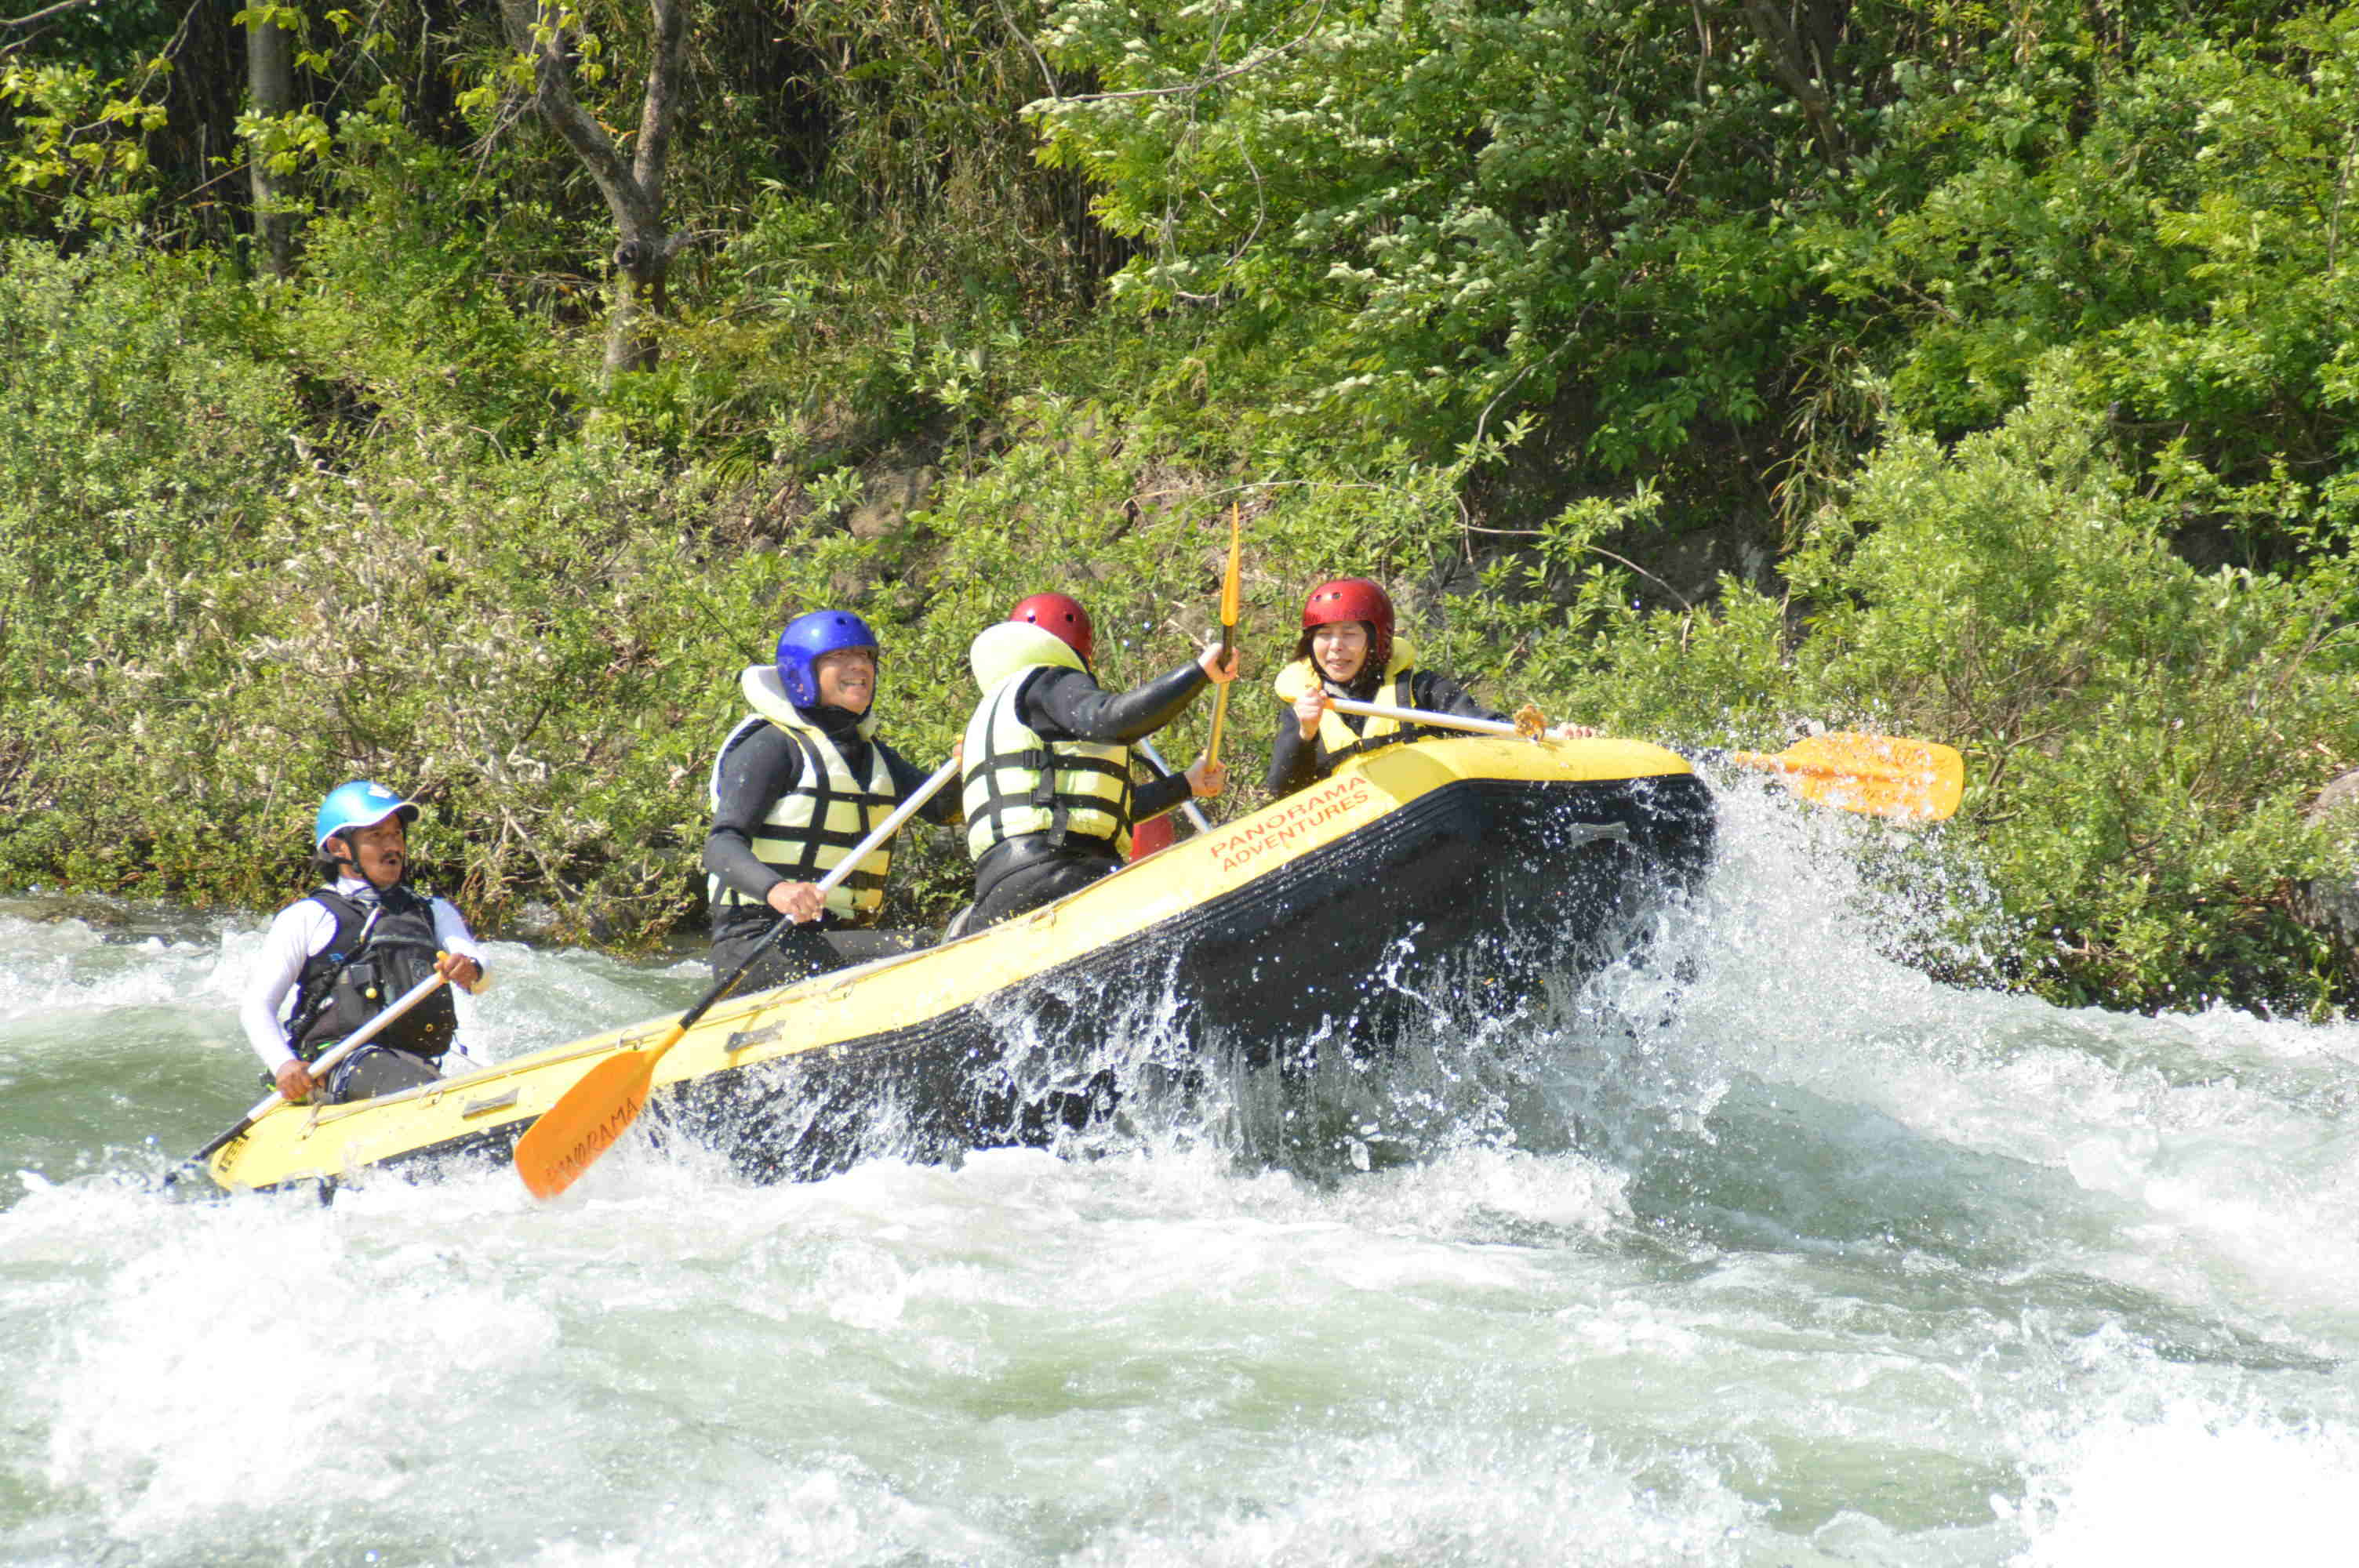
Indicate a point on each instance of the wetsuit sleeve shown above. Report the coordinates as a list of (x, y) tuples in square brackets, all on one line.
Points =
[(754, 773), (300, 930), (452, 934), (945, 809), (1293, 761), (1442, 694), (1067, 705), (1158, 795)]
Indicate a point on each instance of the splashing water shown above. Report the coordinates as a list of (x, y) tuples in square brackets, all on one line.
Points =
[(1758, 1249)]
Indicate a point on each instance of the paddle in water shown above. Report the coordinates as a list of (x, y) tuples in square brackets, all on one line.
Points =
[(1875, 775), (602, 1103)]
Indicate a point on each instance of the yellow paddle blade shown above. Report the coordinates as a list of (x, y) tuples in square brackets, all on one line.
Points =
[(1230, 597), (1230, 594), (1877, 775), (587, 1119)]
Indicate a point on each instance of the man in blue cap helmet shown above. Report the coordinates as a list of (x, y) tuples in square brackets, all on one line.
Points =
[(797, 784), (352, 946)]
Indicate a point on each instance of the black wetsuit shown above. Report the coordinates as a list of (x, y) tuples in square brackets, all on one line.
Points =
[(765, 765), (1027, 872), (1297, 763)]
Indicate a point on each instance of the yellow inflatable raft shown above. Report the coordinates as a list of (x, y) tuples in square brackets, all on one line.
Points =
[(1450, 867)]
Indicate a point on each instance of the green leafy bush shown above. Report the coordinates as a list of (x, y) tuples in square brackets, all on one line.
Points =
[(2141, 734)]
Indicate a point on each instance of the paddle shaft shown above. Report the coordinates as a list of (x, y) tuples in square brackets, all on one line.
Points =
[(328, 1058), (1219, 705), (1229, 608), (1423, 715), (1875, 775), (1195, 812), (602, 1103)]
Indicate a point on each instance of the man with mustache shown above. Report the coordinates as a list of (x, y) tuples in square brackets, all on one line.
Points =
[(350, 947)]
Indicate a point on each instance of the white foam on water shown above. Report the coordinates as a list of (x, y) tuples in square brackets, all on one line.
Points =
[(260, 1354), (1844, 1266), (55, 970), (2216, 1147), (2190, 1482), (1559, 1499)]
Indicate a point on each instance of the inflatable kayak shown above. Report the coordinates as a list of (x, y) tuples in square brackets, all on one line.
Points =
[(1458, 871)]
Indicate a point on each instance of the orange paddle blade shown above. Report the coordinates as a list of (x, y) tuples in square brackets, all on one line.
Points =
[(587, 1119), (1879, 775)]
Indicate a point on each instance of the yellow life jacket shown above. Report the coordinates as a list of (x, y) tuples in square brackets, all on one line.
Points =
[(808, 830), (1335, 738), (1016, 783)]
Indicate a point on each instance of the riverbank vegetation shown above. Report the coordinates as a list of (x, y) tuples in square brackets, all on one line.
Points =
[(460, 393)]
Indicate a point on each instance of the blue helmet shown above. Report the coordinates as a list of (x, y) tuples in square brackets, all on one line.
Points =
[(359, 803), (806, 638)]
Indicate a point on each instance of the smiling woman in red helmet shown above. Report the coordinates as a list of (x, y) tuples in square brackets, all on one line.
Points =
[(1348, 649), (1047, 788)]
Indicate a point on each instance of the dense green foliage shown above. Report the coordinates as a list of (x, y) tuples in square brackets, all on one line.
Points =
[(2004, 361)]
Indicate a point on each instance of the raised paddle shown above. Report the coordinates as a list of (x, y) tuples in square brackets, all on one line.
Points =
[(1229, 596), (1875, 775), (328, 1058), (602, 1103)]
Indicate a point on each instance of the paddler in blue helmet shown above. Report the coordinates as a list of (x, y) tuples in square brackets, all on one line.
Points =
[(350, 947), (1349, 649), (796, 785), (1046, 786)]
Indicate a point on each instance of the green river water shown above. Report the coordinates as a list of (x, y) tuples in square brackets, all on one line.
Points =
[(1836, 1266)]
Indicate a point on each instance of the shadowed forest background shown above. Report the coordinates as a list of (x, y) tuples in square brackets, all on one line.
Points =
[(457, 393)]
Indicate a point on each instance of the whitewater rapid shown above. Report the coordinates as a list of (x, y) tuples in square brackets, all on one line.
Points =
[(1769, 1250)]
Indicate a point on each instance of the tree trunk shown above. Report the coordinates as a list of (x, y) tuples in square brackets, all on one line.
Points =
[(1800, 74), (270, 87), (634, 189)]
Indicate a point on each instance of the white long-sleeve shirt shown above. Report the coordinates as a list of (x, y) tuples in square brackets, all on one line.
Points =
[(303, 929)]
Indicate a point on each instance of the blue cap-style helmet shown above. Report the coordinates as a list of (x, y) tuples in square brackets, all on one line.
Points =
[(359, 803), (806, 638)]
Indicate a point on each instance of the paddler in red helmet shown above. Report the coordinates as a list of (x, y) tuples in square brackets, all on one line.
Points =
[(1348, 649), (1046, 787)]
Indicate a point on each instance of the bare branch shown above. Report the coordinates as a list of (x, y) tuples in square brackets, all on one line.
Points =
[(45, 12), (663, 92), (532, 30), (1785, 51)]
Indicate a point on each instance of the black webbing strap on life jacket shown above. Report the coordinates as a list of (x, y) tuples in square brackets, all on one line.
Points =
[(1328, 760), (818, 835), (1045, 763), (313, 994), (1403, 695)]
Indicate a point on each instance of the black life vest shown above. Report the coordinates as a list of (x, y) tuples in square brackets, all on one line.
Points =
[(379, 951)]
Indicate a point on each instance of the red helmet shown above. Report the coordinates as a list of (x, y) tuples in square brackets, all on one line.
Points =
[(1062, 617), (1352, 599)]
